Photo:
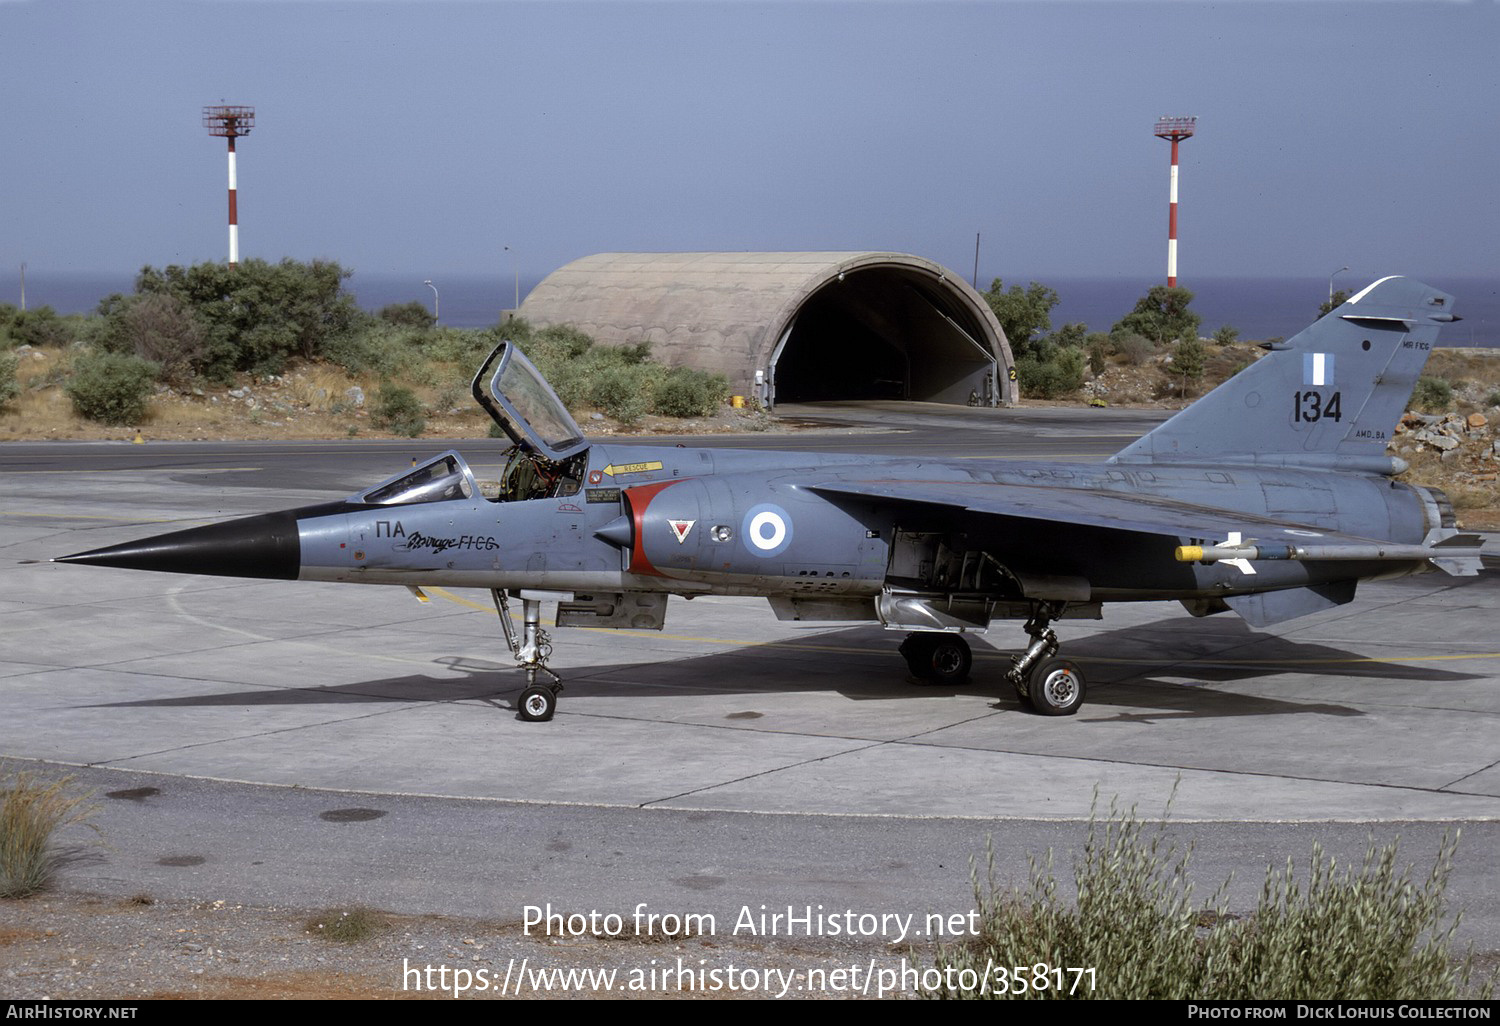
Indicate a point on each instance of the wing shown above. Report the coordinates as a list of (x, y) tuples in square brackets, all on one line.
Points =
[(1142, 514), (1249, 538)]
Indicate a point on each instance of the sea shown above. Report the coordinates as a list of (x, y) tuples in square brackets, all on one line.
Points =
[(1258, 308)]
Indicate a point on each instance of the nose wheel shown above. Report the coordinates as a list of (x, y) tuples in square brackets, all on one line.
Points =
[(537, 703)]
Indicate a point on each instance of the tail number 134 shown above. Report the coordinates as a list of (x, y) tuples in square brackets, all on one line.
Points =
[(1311, 407)]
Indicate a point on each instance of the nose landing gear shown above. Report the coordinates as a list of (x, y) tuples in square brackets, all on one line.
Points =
[(531, 651)]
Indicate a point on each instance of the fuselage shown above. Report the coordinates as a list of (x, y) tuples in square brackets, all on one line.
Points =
[(693, 521)]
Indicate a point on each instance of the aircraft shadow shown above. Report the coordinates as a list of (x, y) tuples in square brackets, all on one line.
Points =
[(1125, 667)]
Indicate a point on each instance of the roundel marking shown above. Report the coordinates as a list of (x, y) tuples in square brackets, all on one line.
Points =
[(767, 530)]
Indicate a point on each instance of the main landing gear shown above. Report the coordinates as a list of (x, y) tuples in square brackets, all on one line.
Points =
[(1052, 686), (531, 651), (937, 658)]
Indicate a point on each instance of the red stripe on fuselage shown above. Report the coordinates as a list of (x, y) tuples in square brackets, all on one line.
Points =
[(638, 499)]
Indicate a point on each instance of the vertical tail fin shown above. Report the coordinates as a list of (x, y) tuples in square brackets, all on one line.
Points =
[(1328, 397)]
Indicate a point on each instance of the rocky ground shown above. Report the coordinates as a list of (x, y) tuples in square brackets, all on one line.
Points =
[(80, 948), (1459, 453)]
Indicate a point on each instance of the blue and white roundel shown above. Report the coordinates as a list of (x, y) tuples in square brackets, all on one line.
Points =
[(767, 530)]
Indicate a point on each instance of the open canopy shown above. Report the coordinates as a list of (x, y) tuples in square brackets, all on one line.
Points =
[(514, 393)]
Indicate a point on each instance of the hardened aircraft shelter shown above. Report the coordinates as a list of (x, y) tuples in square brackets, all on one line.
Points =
[(793, 327)]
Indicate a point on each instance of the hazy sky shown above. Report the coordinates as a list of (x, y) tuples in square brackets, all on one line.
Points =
[(424, 137)]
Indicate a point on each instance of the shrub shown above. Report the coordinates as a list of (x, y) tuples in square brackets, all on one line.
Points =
[(1370, 934), (258, 315), (466, 348), (616, 379), (1434, 395), (1134, 349), (1074, 335), (385, 350), (621, 391), (158, 328), (1161, 315), (1226, 335), (398, 410), (407, 315), (1025, 315), (31, 814), (691, 393), (1098, 349), (559, 342), (9, 386), (1048, 379), (111, 388), (1188, 359), (39, 327)]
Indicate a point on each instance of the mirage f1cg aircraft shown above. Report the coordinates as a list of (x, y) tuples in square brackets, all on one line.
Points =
[(1273, 496)]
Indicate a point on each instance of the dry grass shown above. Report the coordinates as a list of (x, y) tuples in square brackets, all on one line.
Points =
[(32, 813), (1329, 931), (1482, 365), (347, 925), (1428, 468)]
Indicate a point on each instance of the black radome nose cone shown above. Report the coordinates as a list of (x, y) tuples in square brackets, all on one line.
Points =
[(265, 546)]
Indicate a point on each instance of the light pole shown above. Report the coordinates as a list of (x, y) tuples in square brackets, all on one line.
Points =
[(516, 269), (1341, 270), (433, 287)]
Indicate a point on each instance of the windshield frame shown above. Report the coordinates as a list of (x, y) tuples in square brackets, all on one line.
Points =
[(441, 479), (518, 398)]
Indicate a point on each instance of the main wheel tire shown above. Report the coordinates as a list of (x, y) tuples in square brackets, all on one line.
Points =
[(937, 658), (537, 704), (950, 661), (916, 649), (1056, 688)]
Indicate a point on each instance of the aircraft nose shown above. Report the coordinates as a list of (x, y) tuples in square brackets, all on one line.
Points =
[(265, 546)]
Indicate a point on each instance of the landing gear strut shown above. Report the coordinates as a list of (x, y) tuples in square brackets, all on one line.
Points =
[(531, 651), (1054, 687)]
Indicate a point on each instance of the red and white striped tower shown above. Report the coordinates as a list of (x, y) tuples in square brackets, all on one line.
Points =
[(230, 123), (1175, 129)]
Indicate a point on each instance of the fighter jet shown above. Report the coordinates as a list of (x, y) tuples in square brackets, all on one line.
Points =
[(1273, 496)]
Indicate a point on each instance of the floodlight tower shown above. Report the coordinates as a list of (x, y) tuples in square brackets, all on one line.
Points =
[(230, 123), (1175, 129)]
